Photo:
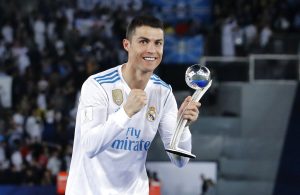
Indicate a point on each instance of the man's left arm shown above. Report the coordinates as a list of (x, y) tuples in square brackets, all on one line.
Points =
[(168, 125)]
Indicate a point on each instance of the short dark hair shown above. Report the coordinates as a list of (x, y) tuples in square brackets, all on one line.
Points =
[(143, 20)]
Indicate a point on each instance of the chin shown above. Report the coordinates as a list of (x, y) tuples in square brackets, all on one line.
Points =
[(150, 67)]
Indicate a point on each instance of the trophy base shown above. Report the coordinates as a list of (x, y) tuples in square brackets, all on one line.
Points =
[(181, 152)]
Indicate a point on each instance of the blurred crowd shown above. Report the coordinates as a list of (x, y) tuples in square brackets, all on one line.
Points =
[(249, 26), (50, 47)]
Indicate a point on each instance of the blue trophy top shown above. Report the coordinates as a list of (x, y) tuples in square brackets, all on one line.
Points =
[(197, 76), (201, 83)]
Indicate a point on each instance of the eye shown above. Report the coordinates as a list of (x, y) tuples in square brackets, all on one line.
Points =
[(159, 43), (143, 42)]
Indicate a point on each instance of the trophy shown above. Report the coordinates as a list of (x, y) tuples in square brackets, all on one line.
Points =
[(198, 78)]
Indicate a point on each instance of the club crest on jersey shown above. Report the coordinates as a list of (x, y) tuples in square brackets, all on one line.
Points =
[(117, 96), (151, 114)]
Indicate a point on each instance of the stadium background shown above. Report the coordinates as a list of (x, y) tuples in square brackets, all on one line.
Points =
[(249, 121)]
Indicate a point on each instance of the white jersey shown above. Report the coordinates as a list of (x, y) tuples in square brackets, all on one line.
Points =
[(110, 149)]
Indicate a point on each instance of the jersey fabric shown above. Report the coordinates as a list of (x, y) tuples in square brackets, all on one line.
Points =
[(110, 149)]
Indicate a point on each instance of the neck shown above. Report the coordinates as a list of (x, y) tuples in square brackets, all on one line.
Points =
[(135, 79)]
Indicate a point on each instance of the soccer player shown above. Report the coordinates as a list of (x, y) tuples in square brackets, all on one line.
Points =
[(119, 113)]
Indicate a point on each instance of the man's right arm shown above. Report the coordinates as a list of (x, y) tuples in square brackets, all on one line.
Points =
[(98, 128)]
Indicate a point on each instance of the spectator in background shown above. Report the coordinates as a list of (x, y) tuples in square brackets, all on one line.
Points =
[(39, 28), (17, 161), (250, 31), (228, 43), (34, 127), (54, 164), (265, 35), (18, 120), (19, 52), (7, 32)]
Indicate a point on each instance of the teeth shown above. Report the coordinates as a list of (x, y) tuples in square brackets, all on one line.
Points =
[(149, 58)]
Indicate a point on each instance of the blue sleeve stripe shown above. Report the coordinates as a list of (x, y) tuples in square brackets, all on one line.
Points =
[(155, 76), (155, 79), (163, 84), (108, 78), (108, 75), (159, 80), (108, 81)]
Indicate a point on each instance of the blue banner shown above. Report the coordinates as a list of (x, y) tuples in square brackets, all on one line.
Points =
[(183, 50), (182, 10)]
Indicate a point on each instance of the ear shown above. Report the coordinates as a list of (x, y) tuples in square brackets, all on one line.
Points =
[(126, 44)]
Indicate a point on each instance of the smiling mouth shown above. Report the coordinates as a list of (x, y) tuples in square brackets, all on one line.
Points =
[(149, 58)]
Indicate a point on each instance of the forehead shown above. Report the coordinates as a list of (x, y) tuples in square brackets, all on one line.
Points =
[(148, 32)]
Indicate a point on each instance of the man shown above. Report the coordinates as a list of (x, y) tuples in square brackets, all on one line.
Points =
[(119, 113)]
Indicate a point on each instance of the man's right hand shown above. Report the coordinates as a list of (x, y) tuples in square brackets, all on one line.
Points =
[(136, 100)]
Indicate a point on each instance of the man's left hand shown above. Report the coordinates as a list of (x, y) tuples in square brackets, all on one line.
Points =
[(189, 110)]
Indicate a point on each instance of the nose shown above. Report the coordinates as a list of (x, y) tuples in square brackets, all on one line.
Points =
[(151, 48)]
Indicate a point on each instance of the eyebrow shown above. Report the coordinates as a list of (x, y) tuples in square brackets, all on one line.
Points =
[(140, 38)]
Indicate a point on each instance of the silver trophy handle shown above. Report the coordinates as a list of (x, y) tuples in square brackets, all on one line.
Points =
[(181, 123)]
